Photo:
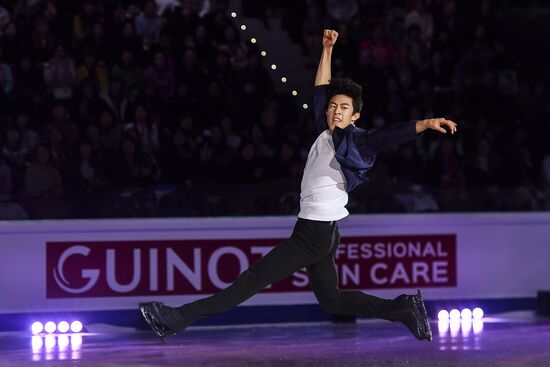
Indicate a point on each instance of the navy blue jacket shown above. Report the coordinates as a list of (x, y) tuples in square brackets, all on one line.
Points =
[(356, 148)]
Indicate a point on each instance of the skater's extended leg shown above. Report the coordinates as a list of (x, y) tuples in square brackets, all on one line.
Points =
[(407, 309), (309, 242)]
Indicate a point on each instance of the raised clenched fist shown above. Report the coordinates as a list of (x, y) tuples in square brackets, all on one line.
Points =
[(329, 37)]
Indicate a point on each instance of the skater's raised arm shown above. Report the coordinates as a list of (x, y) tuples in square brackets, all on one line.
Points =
[(323, 70), (322, 79)]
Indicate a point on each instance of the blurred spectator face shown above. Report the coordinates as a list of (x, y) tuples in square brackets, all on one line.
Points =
[(414, 32), (343, 30), (179, 138), (89, 61), (480, 32), (484, 147), (214, 89), (105, 119), (216, 135), (98, 30), (150, 9), (248, 152), (253, 61), (230, 36), (128, 30), (89, 8), (190, 58), (26, 63), (157, 120), (128, 147), (59, 52), (160, 61), (313, 12), (56, 137), (85, 150), (447, 147), (119, 13), (200, 33), (186, 123), (92, 132), (140, 113), (206, 153), (257, 134), (22, 120), (42, 27), (437, 59), (407, 151), (364, 57), (221, 60), (286, 152), (183, 90), (378, 33), (88, 89), (11, 30), (392, 85), (50, 11), (116, 87), (485, 7), (186, 6), (13, 137), (59, 112), (450, 8), (42, 155), (489, 79), (227, 124), (127, 57), (269, 119)]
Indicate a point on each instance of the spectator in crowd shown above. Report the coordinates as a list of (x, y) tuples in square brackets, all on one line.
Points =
[(129, 73), (29, 137), (60, 74), (161, 75), (12, 44), (148, 23), (41, 178)]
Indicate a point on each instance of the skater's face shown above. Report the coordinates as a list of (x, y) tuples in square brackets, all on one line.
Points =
[(340, 112)]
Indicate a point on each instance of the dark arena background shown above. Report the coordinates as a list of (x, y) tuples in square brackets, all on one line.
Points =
[(153, 150)]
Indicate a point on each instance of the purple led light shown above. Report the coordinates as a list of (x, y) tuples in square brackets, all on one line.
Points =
[(443, 315), (454, 314), (49, 327), (63, 327), (477, 313), (37, 327), (466, 314), (76, 326)]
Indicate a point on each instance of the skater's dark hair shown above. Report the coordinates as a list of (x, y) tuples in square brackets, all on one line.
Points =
[(348, 88)]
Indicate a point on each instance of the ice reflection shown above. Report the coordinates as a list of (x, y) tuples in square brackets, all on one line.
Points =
[(56, 347), (459, 334)]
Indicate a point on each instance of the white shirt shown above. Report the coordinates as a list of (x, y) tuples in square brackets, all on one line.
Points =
[(323, 195)]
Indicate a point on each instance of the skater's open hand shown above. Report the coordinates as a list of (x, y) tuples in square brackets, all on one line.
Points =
[(329, 38), (436, 124)]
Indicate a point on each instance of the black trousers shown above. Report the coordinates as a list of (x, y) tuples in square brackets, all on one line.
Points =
[(312, 245)]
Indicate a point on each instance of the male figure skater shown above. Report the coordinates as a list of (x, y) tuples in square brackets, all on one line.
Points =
[(337, 162)]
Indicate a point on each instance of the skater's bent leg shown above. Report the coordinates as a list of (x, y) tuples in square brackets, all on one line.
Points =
[(323, 277)]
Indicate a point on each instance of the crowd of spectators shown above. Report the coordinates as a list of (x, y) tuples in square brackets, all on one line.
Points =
[(157, 108)]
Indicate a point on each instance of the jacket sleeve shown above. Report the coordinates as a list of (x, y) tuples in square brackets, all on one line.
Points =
[(376, 140), (319, 107)]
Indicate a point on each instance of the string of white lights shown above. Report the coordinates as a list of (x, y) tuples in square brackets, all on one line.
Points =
[(273, 66)]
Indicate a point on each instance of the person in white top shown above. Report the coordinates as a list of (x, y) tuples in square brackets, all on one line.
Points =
[(336, 163)]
